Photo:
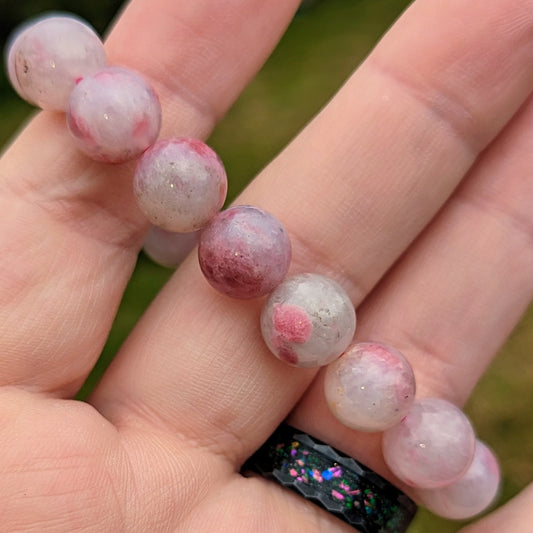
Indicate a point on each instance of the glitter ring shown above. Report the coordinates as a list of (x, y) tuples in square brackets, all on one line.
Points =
[(339, 484)]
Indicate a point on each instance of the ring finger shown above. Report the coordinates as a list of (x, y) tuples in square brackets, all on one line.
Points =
[(454, 298)]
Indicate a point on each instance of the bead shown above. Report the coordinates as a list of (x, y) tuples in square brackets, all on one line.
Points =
[(371, 387), (432, 446), (308, 321), (167, 248), (49, 56), (472, 493), (114, 115), (244, 252), (180, 184)]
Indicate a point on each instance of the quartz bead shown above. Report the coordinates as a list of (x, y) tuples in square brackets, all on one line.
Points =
[(114, 115), (47, 57), (244, 252), (371, 387), (180, 184), (472, 493), (167, 248), (308, 320), (432, 446)]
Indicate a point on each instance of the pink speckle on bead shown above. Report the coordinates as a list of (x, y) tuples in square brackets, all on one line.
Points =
[(244, 252), (287, 355), (371, 387), (292, 323), (309, 317), (142, 128), (179, 186), (81, 129), (199, 147), (120, 113)]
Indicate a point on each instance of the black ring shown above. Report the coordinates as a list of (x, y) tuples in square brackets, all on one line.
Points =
[(338, 483)]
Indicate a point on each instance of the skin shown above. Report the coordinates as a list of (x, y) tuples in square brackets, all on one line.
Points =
[(159, 445)]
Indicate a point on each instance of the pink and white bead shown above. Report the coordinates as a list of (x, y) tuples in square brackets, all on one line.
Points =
[(470, 495), (308, 321), (49, 56), (432, 446), (180, 184), (114, 115), (244, 252), (371, 387), (167, 248)]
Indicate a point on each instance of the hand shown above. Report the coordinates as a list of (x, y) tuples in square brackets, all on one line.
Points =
[(411, 188)]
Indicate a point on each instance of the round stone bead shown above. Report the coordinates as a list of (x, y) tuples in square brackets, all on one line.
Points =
[(308, 321), (47, 57), (180, 184), (472, 493), (167, 248), (114, 115), (244, 252), (432, 446), (371, 387)]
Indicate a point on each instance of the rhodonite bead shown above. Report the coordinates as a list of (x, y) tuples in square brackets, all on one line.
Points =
[(432, 446), (244, 252), (371, 387), (472, 493), (167, 248), (114, 115), (180, 184), (47, 57), (308, 320)]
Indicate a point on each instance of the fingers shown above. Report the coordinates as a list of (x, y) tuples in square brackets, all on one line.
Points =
[(397, 139), (70, 227), (196, 364), (455, 297), (198, 55)]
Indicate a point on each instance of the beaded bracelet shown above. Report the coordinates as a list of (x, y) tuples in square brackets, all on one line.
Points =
[(58, 63)]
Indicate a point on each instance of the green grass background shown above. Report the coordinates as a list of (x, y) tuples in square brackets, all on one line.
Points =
[(324, 44)]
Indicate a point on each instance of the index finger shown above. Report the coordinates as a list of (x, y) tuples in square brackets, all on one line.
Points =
[(70, 226)]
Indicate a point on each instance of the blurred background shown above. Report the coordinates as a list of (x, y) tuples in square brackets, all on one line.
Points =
[(325, 42)]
